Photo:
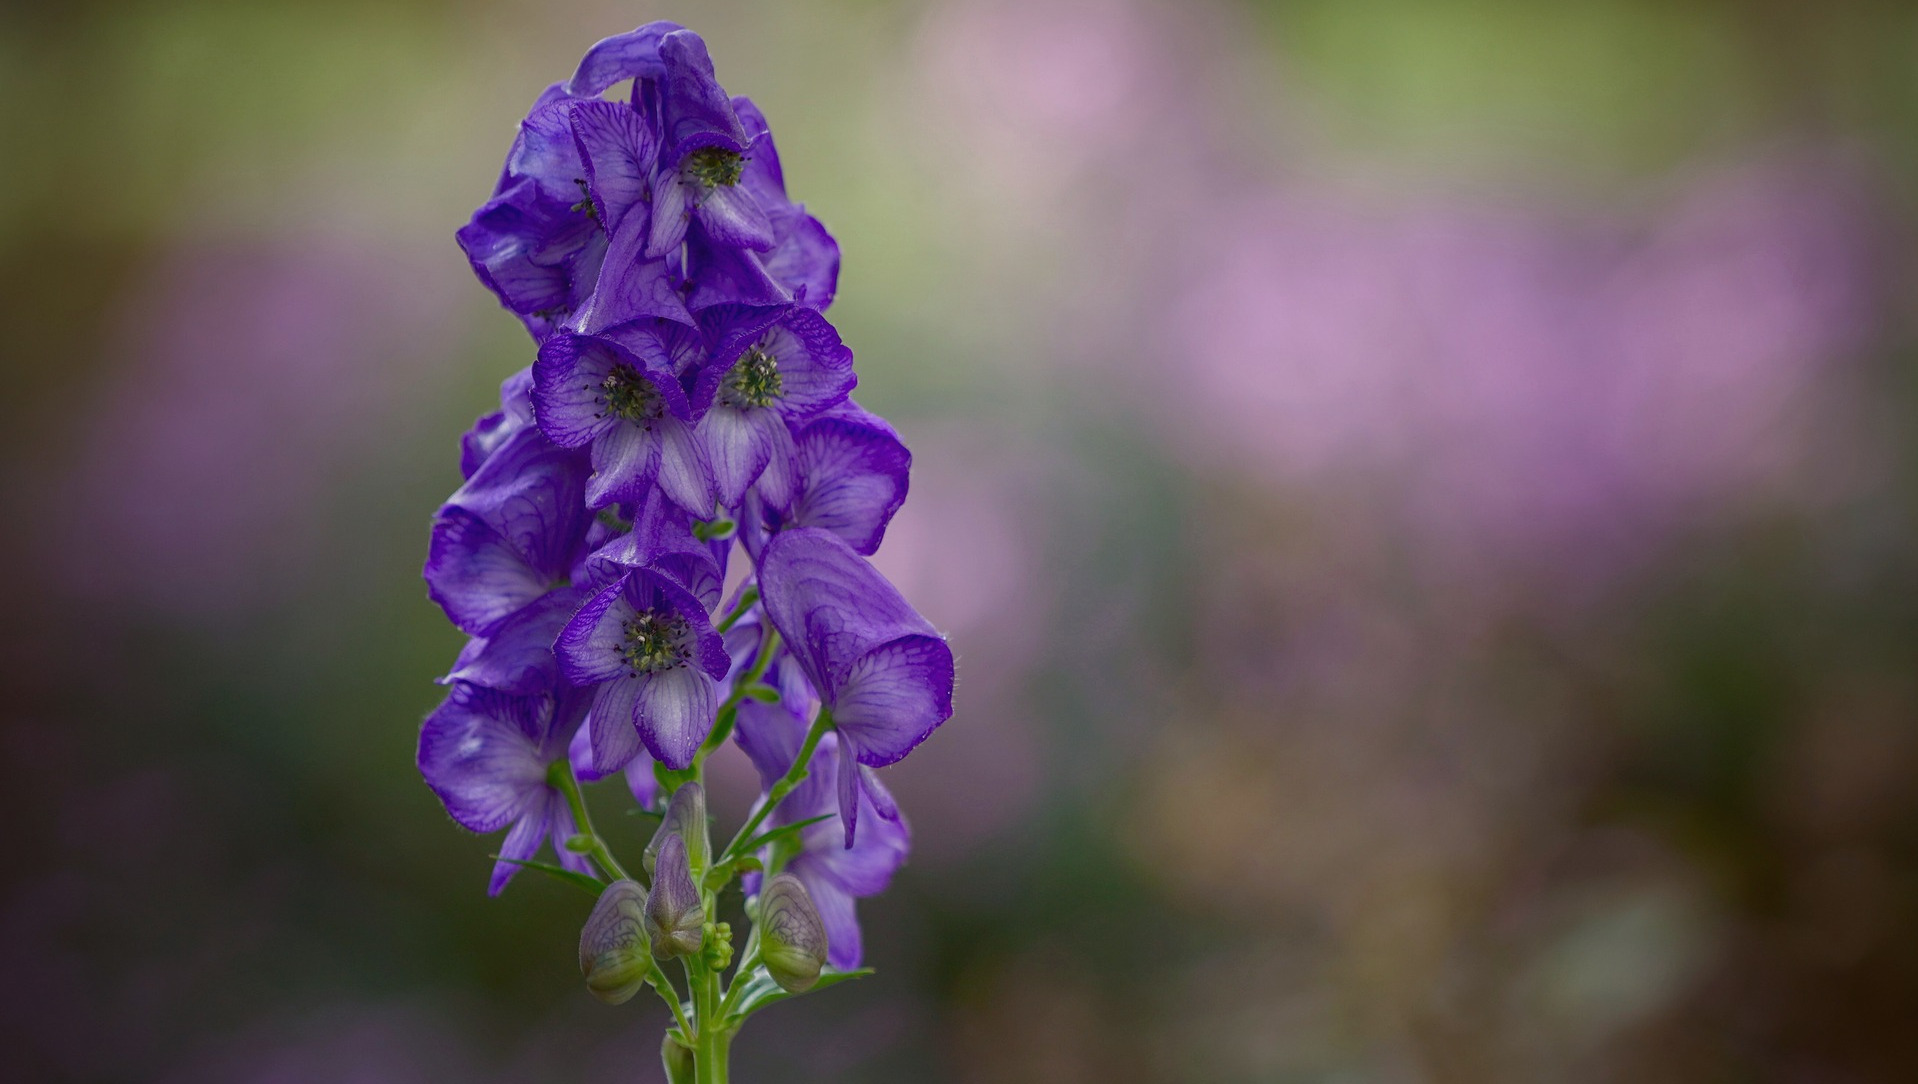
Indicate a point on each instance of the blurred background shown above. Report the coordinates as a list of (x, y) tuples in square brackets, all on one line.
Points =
[(1424, 494)]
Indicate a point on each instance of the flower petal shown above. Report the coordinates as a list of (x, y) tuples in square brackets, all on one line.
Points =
[(618, 151), (894, 696), (518, 657), (626, 461), (475, 575), (831, 606), (479, 752), (732, 216), (613, 726), (856, 473), (737, 448), (684, 473), (837, 914), (674, 711), (589, 646)]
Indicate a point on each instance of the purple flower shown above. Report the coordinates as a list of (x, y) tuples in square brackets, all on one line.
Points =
[(880, 668), (704, 153), (851, 475), (487, 756), (790, 372), (624, 399), (648, 645), (491, 430), (835, 869), (509, 534), (517, 657), (661, 539), (536, 243)]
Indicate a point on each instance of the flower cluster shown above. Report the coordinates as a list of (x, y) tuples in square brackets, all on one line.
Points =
[(686, 423)]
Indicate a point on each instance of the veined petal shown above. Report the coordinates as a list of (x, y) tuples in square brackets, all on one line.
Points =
[(723, 275), (894, 696), (478, 751), (568, 394), (855, 475), (633, 285), (618, 151), (865, 868), (626, 460), (831, 606), (732, 216), (694, 110), (847, 771), (674, 711), (531, 491), (684, 473), (613, 726), (672, 212), (815, 367), (475, 575), (518, 657), (589, 646), (737, 447)]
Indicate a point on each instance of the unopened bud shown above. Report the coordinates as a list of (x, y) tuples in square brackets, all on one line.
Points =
[(613, 947), (675, 916), (792, 940), (685, 817), (678, 1061)]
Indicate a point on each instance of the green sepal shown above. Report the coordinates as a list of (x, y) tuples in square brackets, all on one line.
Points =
[(722, 875), (572, 877)]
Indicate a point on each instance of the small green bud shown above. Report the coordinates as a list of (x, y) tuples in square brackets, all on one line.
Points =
[(613, 947), (792, 940), (719, 945), (685, 817), (678, 1061), (675, 915)]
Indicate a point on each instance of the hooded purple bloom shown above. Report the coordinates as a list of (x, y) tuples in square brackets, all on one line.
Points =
[(649, 646), (776, 379), (852, 472), (486, 755), (661, 539), (491, 430), (703, 155), (624, 399), (509, 534), (880, 668), (517, 658), (835, 869)]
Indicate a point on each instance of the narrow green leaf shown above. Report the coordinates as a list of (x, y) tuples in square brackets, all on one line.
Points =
[(571, 877), (782, 832), (764, 991)]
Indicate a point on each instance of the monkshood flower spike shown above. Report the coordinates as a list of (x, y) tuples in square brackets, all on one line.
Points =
[(682, 423)]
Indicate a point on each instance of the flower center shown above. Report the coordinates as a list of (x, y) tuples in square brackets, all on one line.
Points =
[(654, 642), (715, 166), (753, 380), (627, 394)]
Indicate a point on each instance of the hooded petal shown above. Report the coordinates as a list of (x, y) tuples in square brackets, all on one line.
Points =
[(632, 55), (518, 657), (532, 492), (831, 606), (723, 275), (632, 284), (479, 752), (475, 575)]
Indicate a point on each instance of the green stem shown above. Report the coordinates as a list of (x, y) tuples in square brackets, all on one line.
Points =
[(794, 776), (671, 997), (728, 711), (746, 599), (560, 774)]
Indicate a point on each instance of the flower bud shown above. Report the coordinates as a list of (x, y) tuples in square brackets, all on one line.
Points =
[(613, 945), (675, 915), (685, 817), (677, 1059), (792, 940)]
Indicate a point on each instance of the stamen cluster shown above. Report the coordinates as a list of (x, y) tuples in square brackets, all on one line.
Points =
[(685, 422)]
